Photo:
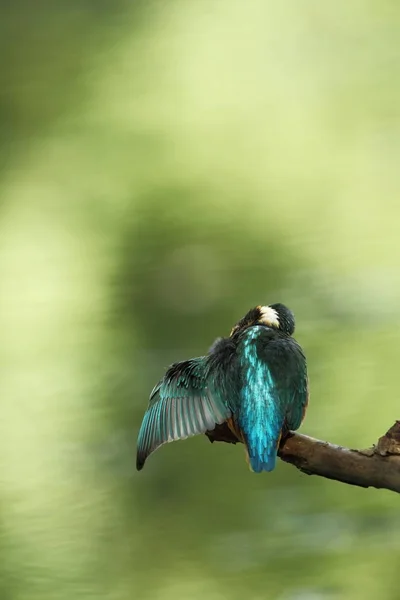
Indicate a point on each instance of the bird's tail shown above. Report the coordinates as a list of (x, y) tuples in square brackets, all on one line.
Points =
[(265, 464), (264, 461)]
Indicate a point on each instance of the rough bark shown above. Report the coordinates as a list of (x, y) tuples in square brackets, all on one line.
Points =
[(377, 467)]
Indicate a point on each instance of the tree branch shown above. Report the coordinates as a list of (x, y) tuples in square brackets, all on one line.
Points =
[(377, 467)]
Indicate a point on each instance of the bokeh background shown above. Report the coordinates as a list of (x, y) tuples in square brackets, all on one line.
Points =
[(164, 167)]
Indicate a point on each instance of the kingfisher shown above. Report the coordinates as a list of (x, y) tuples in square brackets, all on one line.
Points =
[(251, 387)]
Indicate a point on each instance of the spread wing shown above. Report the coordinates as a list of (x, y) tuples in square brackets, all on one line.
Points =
[(181, 405)]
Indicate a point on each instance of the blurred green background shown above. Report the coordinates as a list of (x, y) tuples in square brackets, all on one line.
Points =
[(165, 167)]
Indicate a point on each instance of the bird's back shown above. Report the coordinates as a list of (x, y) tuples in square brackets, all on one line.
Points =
[(273, 388)]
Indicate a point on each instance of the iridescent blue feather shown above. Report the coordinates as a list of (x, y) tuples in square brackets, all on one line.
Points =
[(262, 412)]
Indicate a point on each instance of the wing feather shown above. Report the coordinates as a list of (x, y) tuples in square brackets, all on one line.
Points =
[(181, 405), (298, 406)]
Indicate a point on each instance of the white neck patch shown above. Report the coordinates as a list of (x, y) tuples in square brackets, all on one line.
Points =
[(269, 316)]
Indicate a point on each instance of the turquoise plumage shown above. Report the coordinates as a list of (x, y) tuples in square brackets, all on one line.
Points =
[(251, 387), (261, 410), (181, 405)]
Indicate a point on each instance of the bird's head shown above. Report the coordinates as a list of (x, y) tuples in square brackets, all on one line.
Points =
[(276, 316)]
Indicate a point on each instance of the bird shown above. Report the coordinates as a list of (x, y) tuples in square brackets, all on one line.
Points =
[(252, 387)]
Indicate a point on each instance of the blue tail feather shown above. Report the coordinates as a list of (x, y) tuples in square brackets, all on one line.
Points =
[(266, 463)]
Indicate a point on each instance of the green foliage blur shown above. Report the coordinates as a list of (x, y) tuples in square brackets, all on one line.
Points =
[(165, 167)]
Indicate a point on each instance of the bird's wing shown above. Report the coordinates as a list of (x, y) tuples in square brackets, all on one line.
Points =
[(181, 405), (298, 405)]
